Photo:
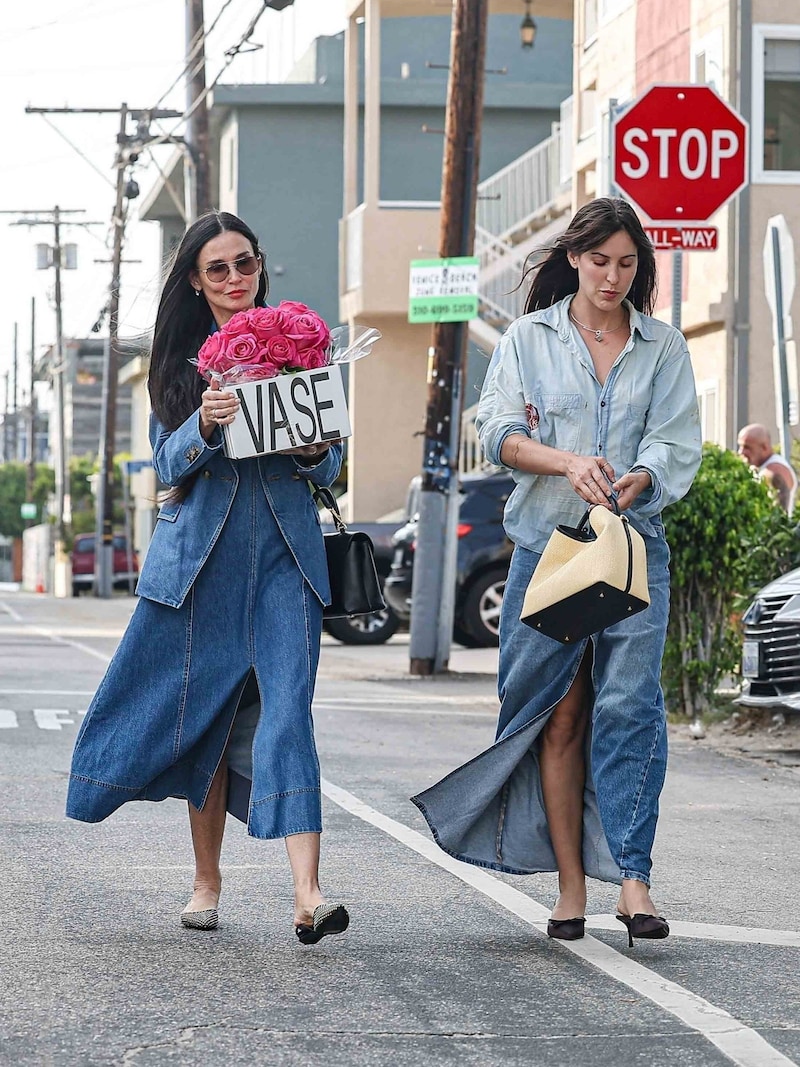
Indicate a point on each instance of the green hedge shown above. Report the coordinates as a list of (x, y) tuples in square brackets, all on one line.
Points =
[(728, 537)]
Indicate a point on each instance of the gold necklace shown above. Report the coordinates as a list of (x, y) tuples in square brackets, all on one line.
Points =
[(598, 334)]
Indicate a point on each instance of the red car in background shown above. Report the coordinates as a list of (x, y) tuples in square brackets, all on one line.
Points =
[(125, 567)]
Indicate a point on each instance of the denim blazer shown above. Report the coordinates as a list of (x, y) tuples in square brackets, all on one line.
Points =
[(187, 530)]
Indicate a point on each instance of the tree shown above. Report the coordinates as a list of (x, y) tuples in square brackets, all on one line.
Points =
[(728, 537), (13, 478)]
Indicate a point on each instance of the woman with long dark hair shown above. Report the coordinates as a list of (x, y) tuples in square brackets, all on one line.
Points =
[(586, 398), (209, 694)]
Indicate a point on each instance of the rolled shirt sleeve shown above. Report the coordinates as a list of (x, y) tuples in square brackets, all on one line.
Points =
[(671, 448), (501, 409)]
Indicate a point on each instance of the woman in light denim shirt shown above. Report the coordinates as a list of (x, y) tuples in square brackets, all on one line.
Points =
[(230, 611), (586, 397)]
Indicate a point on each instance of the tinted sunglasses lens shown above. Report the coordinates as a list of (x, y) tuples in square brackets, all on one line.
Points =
[(218, 273), (247, 265)]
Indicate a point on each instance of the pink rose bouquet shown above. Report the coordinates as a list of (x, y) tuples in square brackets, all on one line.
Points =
[(264, 342)]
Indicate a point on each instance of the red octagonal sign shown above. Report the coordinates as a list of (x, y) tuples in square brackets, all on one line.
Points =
[(680, 153)]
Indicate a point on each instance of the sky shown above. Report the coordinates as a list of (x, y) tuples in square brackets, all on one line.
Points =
[(101, 53)]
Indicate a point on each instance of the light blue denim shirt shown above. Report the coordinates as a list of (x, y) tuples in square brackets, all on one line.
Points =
[(541, 383)]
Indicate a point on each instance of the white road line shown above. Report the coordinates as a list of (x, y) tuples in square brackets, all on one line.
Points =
[(8, 719), (10, 611), (47, 692), (52, 718), (431, 711), (741, 1044), (743, 935)]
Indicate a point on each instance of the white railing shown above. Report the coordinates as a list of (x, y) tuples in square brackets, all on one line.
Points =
[(501, 267), (515, 195)]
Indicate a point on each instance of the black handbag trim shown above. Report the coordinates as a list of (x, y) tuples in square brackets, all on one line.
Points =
[(629, 579)]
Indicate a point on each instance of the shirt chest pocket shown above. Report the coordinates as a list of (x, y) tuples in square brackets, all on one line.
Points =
[(560, 419)]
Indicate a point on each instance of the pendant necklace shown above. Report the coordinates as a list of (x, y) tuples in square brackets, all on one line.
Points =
[(598, 334)]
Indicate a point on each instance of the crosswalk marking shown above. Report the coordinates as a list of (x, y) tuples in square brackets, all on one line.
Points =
[(8, 719), (52, 718)]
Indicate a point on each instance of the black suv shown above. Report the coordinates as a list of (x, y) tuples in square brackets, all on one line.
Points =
[(484, 553)]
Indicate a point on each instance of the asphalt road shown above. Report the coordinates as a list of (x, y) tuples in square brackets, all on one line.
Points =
[(443, 963)]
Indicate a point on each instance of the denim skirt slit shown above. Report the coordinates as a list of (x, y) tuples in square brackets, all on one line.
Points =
[(228, 675), (491, 812)]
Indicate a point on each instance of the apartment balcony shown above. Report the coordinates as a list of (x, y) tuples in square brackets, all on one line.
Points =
[(376, 245)]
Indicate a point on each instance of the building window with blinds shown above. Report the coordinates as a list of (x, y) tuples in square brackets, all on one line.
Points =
[(781, 105)]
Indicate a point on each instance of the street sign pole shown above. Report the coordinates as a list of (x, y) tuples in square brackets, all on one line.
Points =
[(779, 283), (782, 383), (677, 287)]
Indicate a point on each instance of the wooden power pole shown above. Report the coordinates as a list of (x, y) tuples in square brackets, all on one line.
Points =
[(196, 158), (435, 558)]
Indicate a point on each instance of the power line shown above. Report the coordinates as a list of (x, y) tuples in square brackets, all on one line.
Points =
[(199, 37)]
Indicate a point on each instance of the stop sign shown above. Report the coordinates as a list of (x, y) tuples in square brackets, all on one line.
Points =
[(680, 153)]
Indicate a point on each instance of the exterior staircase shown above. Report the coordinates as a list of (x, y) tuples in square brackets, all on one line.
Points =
[(520, 208)]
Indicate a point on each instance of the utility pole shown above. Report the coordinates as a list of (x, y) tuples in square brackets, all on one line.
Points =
[(196, 158), (104, 514), (437, 544), (32, 409), (6, 446)]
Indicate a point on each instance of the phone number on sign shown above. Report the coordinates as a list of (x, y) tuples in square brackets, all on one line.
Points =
[(444, 309)]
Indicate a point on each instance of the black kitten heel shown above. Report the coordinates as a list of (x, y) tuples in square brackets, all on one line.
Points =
[(642, 925), (566, 929)]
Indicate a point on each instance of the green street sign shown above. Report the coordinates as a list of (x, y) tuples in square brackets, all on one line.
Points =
[(27, 511), (443, 290)]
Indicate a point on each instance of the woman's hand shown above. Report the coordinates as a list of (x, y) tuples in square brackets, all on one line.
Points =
[(316, 452), (629, 486), (591, 478), (217, 408)]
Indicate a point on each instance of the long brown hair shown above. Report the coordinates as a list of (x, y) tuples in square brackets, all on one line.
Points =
[(184, 321), (554, 277)]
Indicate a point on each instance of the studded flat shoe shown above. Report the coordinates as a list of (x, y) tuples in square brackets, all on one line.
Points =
[(328, 919), (200, 920)]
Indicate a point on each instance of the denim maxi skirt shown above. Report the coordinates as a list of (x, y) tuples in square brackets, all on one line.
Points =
[(167, 708), (490, 811)]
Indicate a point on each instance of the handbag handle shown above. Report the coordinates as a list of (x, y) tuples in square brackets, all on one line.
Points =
[(585, 520), (323, 494)]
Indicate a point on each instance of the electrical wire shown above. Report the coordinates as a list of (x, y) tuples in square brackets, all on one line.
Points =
[(84, 157), (230, 55), (194, 48)]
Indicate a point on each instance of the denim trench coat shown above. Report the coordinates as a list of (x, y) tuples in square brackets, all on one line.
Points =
[(232, 588)]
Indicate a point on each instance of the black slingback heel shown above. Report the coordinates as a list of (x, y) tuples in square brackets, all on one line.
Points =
[(653, 927)]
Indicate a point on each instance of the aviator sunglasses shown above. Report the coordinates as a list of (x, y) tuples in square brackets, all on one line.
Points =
[(245, 265)]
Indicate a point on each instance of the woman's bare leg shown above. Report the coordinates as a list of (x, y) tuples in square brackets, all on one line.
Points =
[(563, 774), (303, 851), (208, 827), (634, 898)]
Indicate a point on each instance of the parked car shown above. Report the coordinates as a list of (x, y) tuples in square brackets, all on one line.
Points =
[(484, 553), (125, 565), (379, 626), (771, 649)]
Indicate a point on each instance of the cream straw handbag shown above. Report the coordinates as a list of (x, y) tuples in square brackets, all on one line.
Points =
[(589, 577)]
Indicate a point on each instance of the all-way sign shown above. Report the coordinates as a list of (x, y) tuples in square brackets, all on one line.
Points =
[(683, 238)]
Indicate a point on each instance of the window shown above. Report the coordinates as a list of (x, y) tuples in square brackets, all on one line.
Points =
[(589, 21), (776, 104), (587, 116), (782, 105), (708, 402)]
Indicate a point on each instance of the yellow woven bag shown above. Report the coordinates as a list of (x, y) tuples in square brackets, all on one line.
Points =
[(589, 577)]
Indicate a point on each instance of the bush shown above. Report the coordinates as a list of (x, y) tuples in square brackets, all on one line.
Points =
[(728, 537)]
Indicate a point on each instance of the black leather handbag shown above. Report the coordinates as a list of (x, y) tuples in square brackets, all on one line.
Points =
[(355, 587)]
